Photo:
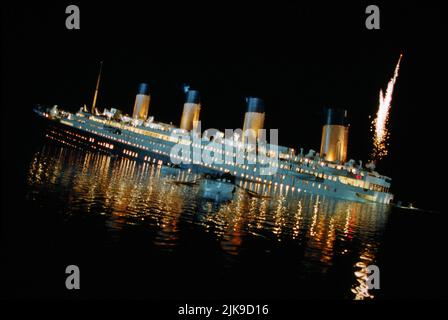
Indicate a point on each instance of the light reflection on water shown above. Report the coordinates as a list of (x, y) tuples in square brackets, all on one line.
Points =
[(129, 193)]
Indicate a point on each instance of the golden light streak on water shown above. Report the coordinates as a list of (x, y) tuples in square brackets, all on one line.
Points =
[(379, 124), (315, 237)]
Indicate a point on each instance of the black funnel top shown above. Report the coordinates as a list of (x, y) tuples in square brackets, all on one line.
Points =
[(192, 96), (255, 105), (335, 117), (143, 88)]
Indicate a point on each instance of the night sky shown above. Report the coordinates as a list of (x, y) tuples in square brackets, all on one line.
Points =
[(298, 58)]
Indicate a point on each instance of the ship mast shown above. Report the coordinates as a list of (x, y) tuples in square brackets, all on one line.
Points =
[(96, 89)]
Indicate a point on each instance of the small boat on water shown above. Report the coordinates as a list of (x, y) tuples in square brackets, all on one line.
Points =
[(406, 206), (409, 207), (183, 183), (217, 187), (257, 195)]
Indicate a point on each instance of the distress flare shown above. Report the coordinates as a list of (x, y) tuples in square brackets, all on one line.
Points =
[(379, 124)]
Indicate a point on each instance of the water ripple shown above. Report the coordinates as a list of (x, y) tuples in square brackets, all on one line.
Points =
[(128, 194)]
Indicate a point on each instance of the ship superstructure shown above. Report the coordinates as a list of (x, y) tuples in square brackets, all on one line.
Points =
[(141, 138)]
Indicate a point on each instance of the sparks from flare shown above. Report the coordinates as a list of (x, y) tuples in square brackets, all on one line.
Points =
[(379, 124)]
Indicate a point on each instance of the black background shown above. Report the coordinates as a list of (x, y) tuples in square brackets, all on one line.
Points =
[(299, 58)]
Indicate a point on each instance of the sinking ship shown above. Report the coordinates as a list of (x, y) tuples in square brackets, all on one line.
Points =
[(141, 138)]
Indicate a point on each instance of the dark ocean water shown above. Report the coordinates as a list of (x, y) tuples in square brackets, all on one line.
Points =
[(136, 232)]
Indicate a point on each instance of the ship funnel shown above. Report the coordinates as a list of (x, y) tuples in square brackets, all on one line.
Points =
[(141, 104), (254, 118), (192, 108), (335, 135)]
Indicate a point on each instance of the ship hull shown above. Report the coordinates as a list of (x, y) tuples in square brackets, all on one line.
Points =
[(64, 133)]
